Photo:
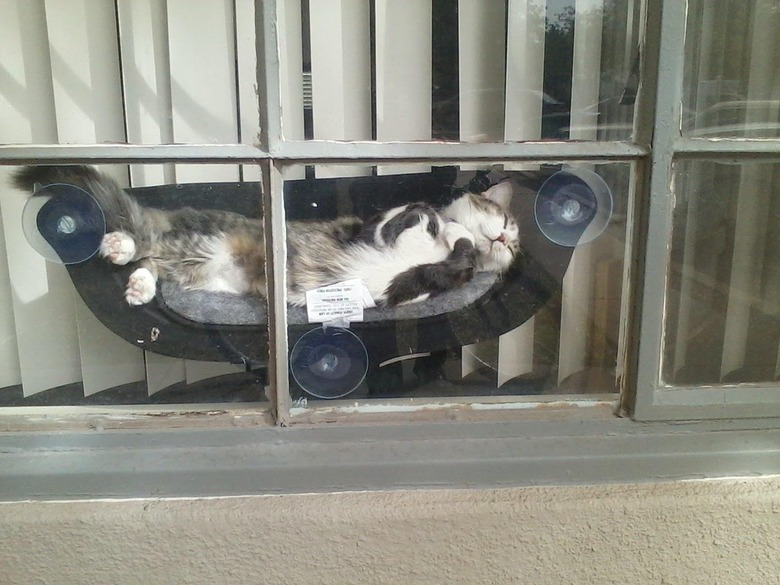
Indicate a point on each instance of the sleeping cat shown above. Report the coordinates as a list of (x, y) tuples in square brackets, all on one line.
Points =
[(405, 254)]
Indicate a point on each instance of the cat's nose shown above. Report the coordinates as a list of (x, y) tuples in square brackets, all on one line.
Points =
[(501, 238)]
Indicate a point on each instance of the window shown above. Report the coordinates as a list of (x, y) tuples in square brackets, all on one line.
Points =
[(660, 300)]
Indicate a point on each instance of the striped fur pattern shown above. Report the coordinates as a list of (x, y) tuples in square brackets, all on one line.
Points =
[(405, 254)]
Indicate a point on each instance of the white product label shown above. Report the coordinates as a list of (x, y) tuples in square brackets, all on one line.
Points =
[(341, 301)]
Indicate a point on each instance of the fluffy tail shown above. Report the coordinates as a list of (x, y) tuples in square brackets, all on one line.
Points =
[(122, 212)]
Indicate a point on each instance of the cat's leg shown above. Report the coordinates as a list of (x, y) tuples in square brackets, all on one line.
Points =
[(453, 232), (118, 248), (427, 280), (142, 284)]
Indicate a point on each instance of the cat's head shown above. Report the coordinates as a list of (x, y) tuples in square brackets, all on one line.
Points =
[(486, 215)]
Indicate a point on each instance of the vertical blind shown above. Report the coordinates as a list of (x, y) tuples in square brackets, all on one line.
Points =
[(165, 71), (723, 320), (93, 71)]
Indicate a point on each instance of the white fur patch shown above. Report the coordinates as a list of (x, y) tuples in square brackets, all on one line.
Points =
[(377, 267), (223, 274), (141, 287), (117, 248)]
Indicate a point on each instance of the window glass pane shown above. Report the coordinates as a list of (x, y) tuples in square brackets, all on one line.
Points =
[(514, 313), (458, 70), (722, 314), (77, 328), (732, 74), (140, 71)]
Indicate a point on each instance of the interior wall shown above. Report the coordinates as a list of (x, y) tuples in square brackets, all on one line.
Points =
[(725, 531)]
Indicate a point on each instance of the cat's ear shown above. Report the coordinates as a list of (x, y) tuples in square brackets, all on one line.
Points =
[(502, 193)]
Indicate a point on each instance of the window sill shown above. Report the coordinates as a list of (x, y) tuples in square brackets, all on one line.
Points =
[(591, 447)]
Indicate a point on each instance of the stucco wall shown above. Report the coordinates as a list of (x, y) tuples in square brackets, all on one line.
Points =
[(670, 533)]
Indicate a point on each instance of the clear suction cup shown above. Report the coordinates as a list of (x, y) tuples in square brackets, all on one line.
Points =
[(63, 223), (573, 207), (329, 362)]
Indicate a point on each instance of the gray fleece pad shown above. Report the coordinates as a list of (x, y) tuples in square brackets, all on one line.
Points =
[(226, 309)]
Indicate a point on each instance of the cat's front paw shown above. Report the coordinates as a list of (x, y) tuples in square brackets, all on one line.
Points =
[(117, 247), (141, 287), (454, 231)]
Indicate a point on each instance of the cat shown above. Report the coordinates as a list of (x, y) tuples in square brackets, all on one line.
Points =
[(405, 254)]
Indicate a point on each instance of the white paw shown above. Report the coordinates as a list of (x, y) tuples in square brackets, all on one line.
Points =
[(118, 247), (141, 287), (454, 231)]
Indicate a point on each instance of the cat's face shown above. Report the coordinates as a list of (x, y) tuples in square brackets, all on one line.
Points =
[(487, 217)]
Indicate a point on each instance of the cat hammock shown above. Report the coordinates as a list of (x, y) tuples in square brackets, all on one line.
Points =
[(226, 328)]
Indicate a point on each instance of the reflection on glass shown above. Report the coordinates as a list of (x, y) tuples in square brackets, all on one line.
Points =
[(467, 70), (547, 321), (732, 76), (89, 324), (722, 314)]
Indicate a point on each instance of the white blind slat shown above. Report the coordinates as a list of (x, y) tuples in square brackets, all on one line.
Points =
[(586, 69), (10, 370), (477, 355), (701, 179), (246, 54), (196, 371), (203, 112), (43, 307), (143, 36), (578, 290), (291, 67), (44, 316), (26, 116), (341, 75), (162, 371), (203, 72), (481, 70), (403, 69), (403, 74), (524, 70), (522, 121), (143, 39), (516, 352), (89, 107)]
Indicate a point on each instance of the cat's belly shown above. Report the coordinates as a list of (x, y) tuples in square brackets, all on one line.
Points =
[(224, 275), (378, 268)]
